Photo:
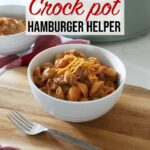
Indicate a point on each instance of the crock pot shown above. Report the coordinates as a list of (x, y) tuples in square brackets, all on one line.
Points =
[(137, 22)]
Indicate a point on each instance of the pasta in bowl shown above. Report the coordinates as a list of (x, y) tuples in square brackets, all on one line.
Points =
[(13, 38), (10, 26), (74, 77), (86, 94)]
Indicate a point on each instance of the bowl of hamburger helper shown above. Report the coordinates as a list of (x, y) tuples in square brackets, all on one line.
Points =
[(76, 82)]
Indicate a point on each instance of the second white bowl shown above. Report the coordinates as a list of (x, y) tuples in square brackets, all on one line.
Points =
[(14, 43)]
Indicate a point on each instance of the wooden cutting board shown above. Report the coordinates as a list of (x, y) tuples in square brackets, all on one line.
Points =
[(125, 127)]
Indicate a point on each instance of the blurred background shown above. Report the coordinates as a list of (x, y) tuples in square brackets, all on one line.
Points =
[(135, 53)]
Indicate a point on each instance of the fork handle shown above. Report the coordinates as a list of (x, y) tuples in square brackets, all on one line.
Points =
[(72, 140)]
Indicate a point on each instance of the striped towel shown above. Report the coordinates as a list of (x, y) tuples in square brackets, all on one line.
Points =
[(8, 148), (42, 43)]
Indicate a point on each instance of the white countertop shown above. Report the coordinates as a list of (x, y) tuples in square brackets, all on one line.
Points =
[(134, 53), (15, 2)]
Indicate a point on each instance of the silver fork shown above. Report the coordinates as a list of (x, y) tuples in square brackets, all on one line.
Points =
[(32, 128)]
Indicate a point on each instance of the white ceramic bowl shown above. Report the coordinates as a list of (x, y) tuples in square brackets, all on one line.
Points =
[(19, 42), (78, 111)]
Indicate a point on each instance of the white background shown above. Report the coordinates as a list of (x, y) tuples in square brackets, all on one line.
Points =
[(87, 5)]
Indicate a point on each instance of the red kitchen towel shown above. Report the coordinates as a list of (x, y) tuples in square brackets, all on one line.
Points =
[(42, 43), (8, 148), (2, 147)]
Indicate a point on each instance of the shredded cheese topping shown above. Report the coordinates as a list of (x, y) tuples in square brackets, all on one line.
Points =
[(92, 66)]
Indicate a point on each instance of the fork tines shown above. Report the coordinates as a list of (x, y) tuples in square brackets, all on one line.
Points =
[(20, 121)]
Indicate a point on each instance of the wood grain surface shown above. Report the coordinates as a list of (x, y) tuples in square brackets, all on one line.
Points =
[(125, 127)]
